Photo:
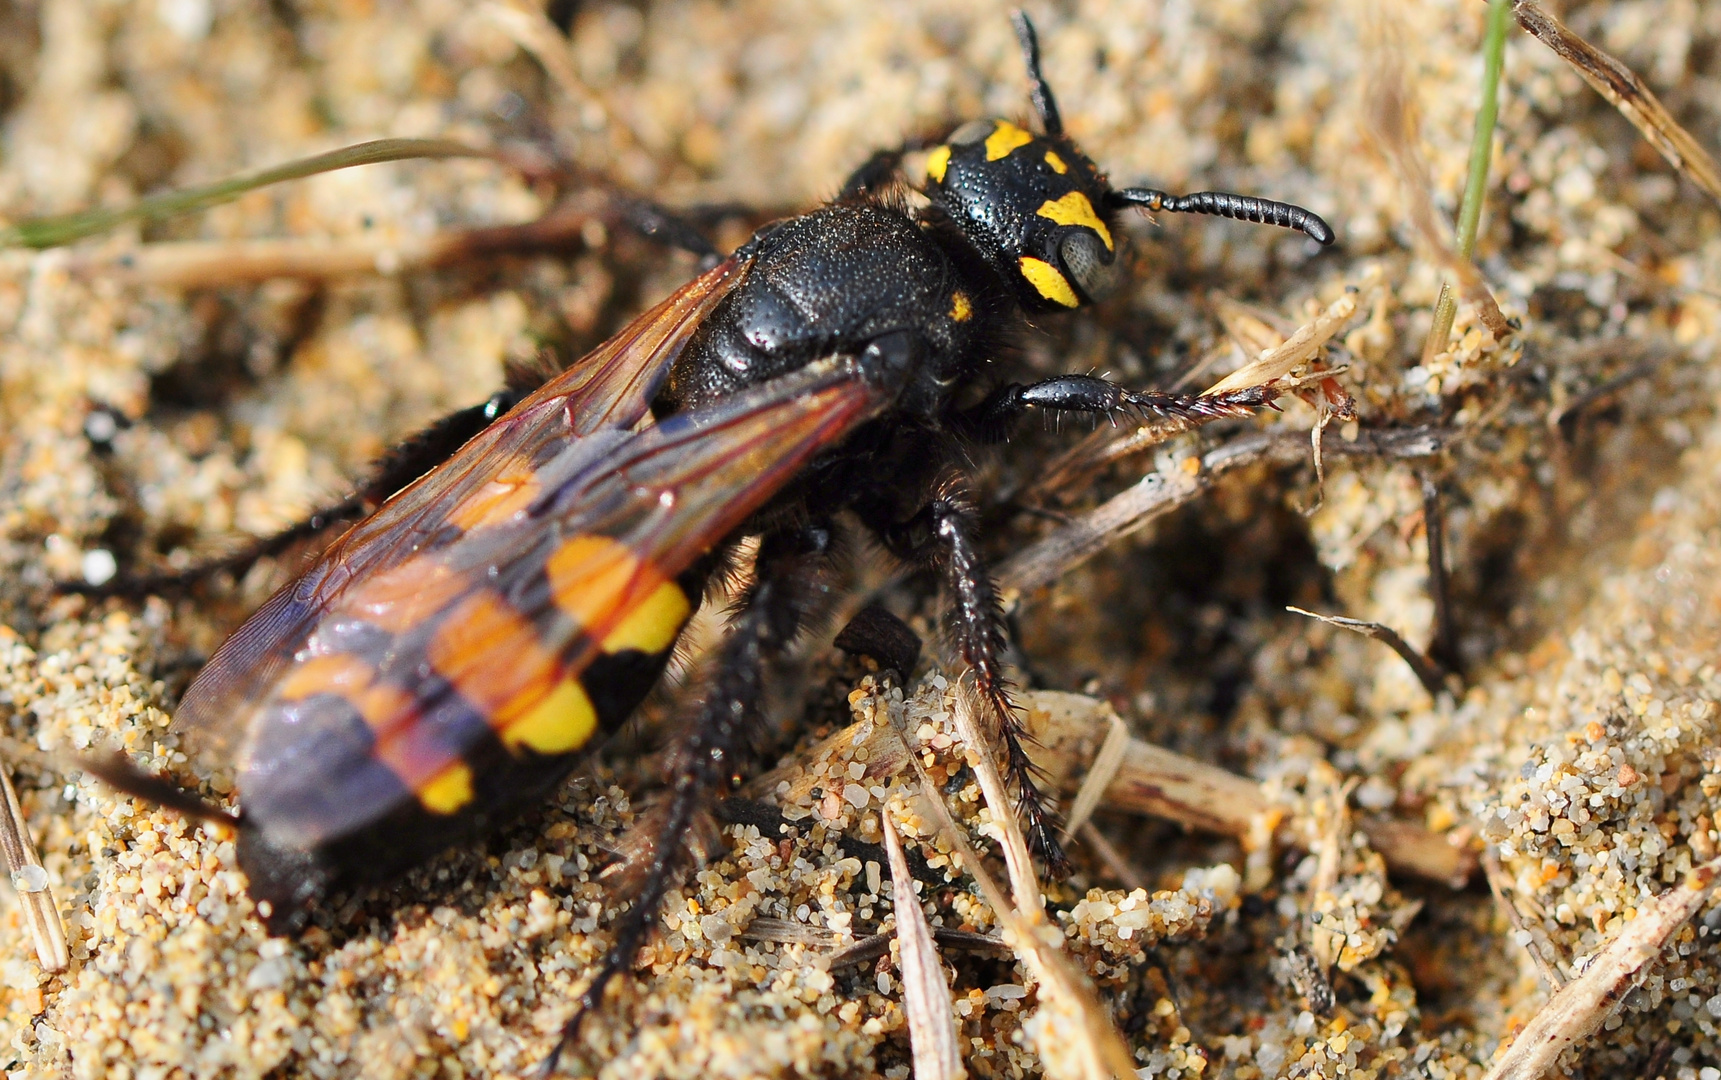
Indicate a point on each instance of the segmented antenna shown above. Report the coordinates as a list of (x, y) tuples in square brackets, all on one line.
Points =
[(1038, 91), (1226, 204)]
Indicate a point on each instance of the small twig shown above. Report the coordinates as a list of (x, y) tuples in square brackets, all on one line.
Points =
[(1157, 782), (873, 946), (1580, 1007), (35, 897), (1099, 777), (1157, 494), (926, 998), (1444, 648), (1428, 673), (1625, 92), (1499, 885)]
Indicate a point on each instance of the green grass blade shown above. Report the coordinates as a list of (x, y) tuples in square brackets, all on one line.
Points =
[(1476, 183), (45, 232)]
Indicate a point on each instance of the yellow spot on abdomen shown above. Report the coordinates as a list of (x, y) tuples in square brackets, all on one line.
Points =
[(562, 721), (1048, 281), (651, 627), (596, 580), (1056, 162), (961, 308), (448, 790), (936, 164), (1075, 209), (1005, 138)]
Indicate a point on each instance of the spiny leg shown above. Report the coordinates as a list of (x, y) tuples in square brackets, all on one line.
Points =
[(789, 585), (992, 419), (977, 626)]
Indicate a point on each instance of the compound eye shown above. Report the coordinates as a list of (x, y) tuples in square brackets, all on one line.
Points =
[(1089, 264), (972, 132)]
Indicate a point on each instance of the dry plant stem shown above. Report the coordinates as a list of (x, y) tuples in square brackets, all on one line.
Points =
[(1100, 775), (1155, 781), (1444, 649), (1581, 1006), (1428, 673), (1102, 1050), (1156, 494), (1389, 121), (1298, 349), (1024, 883), (926, 998), (1476, 182), (35, 898), (1500, 885), (1625, 92)]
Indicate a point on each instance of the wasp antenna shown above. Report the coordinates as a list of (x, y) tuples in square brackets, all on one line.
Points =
[(121, 775), (1226, 204), (1038, 91)]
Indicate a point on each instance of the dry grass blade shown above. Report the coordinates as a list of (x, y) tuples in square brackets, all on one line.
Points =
[(1158, 493), (1154, 781), (1390, 123), (1581, 1006), (1099, 776), (1299, 348), (35, 898), (1024, 883), (1625, 92), (925, 995), (532, 30), (1080, 1042)]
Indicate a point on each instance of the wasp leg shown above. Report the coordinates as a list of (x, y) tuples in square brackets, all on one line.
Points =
[(977, 626), (667, 228), (993, 417), (789, 585), (399, 467)]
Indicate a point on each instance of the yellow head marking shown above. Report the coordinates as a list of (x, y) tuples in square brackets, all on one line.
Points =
[(448, 790), (1048, 281), (559, 723), (1005, 138), (652, 625), (961, 308), (1074, 209), (936, 163), (1056, 162)]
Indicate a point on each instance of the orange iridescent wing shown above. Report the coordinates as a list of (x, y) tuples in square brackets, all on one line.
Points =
[(608, 390), (442, 678)]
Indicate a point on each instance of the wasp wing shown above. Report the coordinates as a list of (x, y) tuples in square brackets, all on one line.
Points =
[(610, 388), (482, 642)]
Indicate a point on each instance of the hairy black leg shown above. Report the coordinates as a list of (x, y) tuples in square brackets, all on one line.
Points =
[(977, 627), (992, 418), (408, 461), (789, 585)]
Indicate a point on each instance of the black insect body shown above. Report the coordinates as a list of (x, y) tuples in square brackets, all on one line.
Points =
[(451, 657)]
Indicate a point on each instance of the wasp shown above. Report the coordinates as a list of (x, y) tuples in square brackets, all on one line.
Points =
[(446, 662)]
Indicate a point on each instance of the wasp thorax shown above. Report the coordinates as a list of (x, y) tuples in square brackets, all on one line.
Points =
[(1034, 205)]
